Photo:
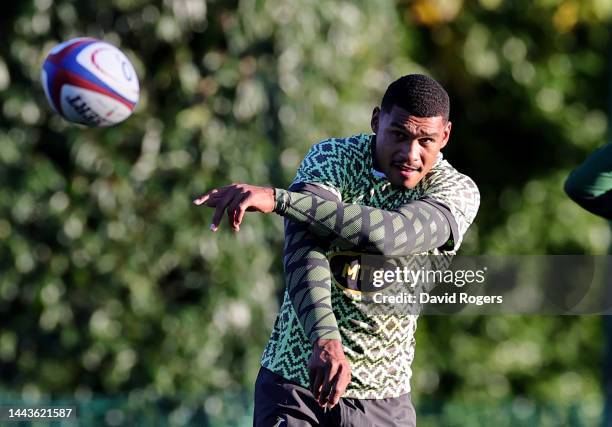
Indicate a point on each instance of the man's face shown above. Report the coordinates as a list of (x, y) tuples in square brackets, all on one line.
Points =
[(407, 146)]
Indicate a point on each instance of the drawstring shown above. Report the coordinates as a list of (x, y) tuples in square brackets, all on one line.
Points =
[(384, 187)]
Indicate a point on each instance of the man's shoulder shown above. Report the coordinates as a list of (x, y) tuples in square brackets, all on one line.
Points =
[(444, 176), (356, 144), (455, 190), (334, 161)]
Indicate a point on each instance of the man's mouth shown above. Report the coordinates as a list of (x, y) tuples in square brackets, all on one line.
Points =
[(406, 170)]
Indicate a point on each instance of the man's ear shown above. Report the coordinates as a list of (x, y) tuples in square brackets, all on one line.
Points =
[(446, 133), (375, 119)]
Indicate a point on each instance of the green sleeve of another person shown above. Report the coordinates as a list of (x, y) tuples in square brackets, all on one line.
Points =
[(590, 184)]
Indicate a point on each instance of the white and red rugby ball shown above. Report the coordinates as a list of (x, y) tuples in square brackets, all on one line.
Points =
[(91, 82)]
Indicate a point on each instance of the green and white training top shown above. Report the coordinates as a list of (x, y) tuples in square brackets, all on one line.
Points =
[(337, 205)]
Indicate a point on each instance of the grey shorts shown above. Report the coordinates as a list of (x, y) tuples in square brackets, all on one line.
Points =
[(282, 403)]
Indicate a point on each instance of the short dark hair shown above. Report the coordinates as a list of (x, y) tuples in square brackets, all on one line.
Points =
[(421, 95)]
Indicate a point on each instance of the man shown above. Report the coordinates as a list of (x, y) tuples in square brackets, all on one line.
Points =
[(327, 361), (590, 185)]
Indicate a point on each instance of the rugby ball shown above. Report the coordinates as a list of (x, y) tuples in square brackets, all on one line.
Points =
[(91, 82)]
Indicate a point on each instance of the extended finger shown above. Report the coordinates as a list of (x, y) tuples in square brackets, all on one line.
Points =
[(318, 379), (340, 383), (213, 200), (328, 382), (234, 208), (221, 205), (204, 197), (211, 194), (242, 207)]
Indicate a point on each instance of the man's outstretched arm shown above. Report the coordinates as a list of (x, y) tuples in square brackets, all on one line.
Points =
[(414, 228), (590, 184)]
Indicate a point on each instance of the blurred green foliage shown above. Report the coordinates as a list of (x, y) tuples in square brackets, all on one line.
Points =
[(111, 283)]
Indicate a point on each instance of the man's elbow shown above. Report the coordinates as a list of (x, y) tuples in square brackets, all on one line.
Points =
[(596, 204), (576, 191)]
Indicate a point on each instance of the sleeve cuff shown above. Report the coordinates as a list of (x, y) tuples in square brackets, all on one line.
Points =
[(323, 191), (325, 335), (281, 200), (455, 237)]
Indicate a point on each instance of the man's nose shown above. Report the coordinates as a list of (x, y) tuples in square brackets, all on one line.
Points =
[(410, 152)]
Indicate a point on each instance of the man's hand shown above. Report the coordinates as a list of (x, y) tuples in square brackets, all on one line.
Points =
[(329, 371), (236, 199)]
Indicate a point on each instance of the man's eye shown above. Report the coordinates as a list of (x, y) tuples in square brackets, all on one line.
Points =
[(426, 140), (397, 134)]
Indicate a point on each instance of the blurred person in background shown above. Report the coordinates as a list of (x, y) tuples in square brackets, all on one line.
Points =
[(590, 185), (390, 192)]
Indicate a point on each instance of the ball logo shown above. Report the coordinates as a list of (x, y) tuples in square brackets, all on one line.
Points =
[(90, 82), (80, 106)]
